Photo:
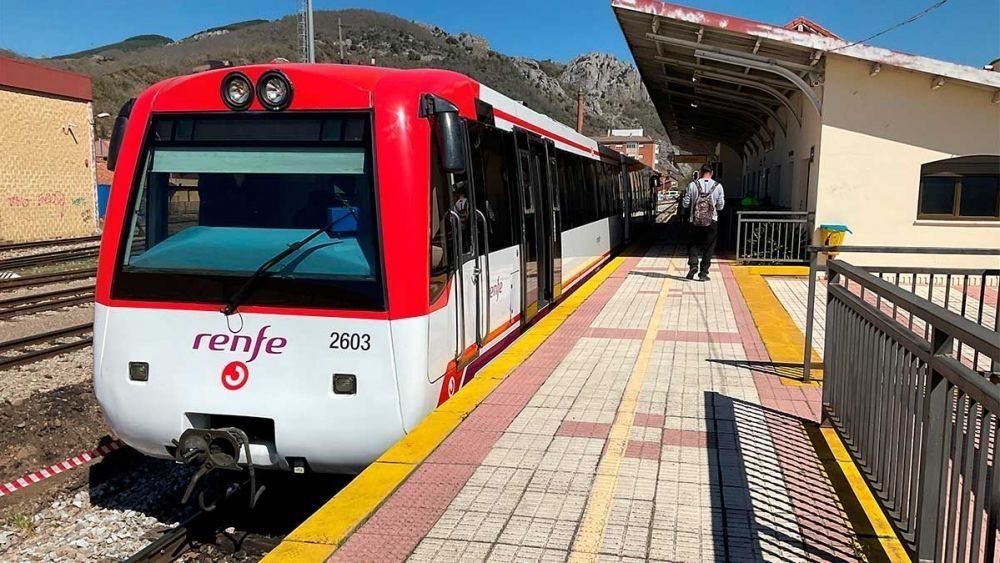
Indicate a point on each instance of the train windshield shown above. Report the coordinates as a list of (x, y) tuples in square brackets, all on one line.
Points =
[(219, 196)]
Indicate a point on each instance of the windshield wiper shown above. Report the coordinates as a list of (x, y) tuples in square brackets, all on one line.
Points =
[(240, 295)]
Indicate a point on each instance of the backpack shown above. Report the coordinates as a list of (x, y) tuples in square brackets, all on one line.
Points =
[(703, 208)]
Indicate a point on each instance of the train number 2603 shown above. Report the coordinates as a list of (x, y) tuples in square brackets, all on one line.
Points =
[(350, 341)]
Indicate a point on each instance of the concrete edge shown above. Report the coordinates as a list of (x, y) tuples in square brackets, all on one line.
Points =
[(331, 525)]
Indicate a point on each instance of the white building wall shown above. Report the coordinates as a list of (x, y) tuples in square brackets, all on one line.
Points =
[(877, 132)]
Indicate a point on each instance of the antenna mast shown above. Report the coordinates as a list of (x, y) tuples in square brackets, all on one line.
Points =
[(307, 35)]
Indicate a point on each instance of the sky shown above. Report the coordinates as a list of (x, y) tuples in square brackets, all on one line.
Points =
[(962, 31)]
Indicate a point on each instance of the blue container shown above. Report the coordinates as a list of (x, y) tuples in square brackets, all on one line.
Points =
[(103, 193)]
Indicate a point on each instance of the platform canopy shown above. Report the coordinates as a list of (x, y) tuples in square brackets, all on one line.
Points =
[(718, 78)]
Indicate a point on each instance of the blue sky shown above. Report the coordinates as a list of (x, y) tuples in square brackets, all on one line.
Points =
[(963, 31)]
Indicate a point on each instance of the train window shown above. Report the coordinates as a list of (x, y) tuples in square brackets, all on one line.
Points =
[(441, 241), (524, 161), (590, 193), (571, 204), (207, 215), (493, 189)]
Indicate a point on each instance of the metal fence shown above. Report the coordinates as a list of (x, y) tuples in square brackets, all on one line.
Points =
[(772, 236), (918, 412)]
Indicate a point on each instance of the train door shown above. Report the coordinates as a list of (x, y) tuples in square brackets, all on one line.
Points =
[(627, 203), (554, 227), (536, 237), (463, 217)]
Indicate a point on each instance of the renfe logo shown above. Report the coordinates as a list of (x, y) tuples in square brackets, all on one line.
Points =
[(235, 375), (240, 342)]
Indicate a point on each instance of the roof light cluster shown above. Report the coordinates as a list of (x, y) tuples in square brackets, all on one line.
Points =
[(273, 90)]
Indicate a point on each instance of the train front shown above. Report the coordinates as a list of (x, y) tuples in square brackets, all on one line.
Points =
[(241, 306)]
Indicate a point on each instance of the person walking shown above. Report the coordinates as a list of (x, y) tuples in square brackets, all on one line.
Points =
[(705, 198)]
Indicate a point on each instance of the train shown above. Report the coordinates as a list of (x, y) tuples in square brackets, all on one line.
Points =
[(301, 261)]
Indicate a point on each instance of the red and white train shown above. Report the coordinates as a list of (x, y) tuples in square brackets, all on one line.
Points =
[(318, 255)]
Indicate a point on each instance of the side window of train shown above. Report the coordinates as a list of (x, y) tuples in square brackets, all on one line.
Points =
[(493, 186), (524, 162), (442, 239)]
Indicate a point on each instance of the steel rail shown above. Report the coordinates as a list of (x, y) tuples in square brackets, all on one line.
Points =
[(44, 279), (177, 540), (52, 242), (29, 356), (49, 257), (48, 301)]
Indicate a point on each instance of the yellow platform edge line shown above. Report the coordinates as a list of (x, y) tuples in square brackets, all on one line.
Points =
[(330, 526), (782, 338), (875, 533), (784, 342), (778, 270)]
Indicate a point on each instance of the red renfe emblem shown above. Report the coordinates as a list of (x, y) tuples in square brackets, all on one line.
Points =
[(235, 375)]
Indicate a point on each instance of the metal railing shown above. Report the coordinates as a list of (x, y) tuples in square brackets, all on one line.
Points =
[(921, 422), (772, 236), (968, 292)]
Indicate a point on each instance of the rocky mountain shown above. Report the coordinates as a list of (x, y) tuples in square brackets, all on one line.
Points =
[(614, 94)]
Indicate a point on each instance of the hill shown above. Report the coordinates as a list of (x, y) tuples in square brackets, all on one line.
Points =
[(131, 44), (614, 94)]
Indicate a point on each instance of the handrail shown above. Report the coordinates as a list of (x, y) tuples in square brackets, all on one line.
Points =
[(906, 250), (772, 212), (957, 326), (918, 417), (772, 235), (814, 252)]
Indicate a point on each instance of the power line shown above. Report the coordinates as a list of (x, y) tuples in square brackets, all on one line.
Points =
[(908, 20)]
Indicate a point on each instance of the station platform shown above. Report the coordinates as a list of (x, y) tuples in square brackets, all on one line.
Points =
[(647, 417)]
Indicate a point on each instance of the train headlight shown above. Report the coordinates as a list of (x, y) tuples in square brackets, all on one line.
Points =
[(274, 90), (138, 371), (237, 91), (345, 384)]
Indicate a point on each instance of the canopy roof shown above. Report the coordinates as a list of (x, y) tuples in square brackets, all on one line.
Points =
[(717, 78)]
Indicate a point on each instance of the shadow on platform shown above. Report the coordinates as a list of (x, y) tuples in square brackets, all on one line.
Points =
[(771, 499)]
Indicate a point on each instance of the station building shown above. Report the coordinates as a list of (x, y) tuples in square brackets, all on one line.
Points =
[(903, 149), (47, 174)]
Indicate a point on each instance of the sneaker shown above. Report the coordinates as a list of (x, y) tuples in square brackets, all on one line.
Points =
[(704, 277), (691, 273)]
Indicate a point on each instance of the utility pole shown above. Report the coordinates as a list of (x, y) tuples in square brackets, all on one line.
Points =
[(307, 35), (340, 36)]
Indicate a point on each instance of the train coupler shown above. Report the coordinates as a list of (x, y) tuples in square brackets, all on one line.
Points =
[(211, 450)]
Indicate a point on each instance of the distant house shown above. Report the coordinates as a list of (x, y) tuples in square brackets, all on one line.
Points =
[(47, 173), (633, 143)]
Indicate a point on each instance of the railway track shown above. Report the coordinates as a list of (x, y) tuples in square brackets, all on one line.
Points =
[(44, 258), (201, 527), (30, 349), (45, 279), (42, 243), (47, 301)]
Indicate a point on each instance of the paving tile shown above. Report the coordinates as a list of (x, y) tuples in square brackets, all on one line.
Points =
[(505, 553), (716, 464), (468, 525), (437, 550), (547, 533)]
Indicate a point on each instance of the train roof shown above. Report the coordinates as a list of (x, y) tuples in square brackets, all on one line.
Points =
[(508, 113)]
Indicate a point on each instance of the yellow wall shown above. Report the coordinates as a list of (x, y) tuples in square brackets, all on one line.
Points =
[(877, 132), (47, 186)]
